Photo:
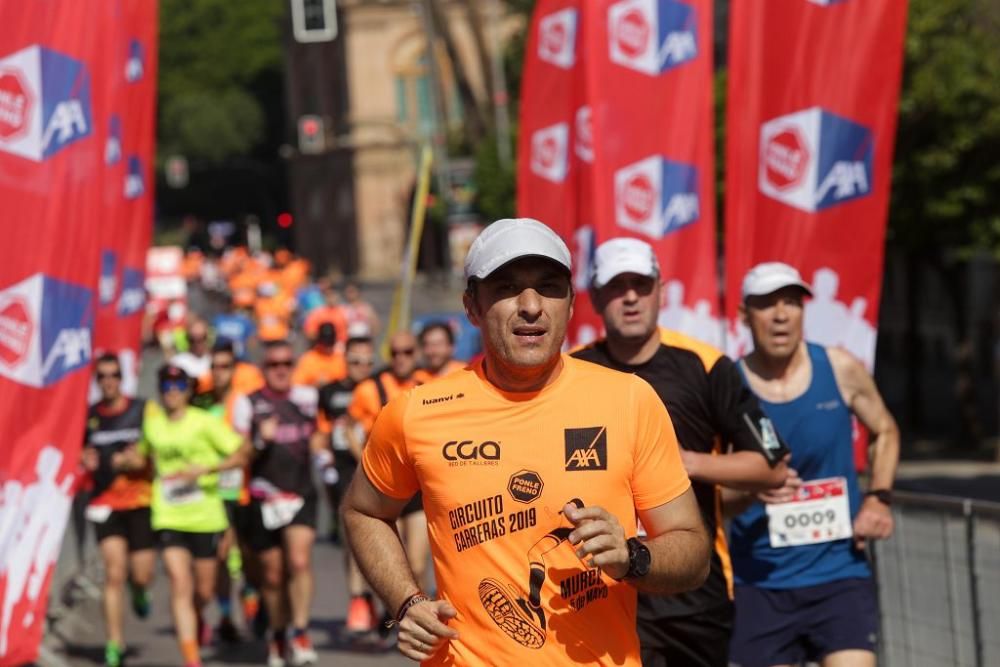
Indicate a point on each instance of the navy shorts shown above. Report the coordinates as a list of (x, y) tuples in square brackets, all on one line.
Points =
[(782, 627)]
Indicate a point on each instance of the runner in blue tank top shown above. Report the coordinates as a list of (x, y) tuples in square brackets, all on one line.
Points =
[(803, 586)]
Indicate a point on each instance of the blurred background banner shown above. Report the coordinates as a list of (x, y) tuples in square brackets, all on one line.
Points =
[(812, 109), (126, 227), (619, 139), (60, 80)]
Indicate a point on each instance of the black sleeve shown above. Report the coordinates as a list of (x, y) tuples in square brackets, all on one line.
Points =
[(738, 415)]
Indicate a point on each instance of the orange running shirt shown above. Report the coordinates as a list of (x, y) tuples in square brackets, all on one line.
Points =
[(247, 379), (496, 470), (332, 314), (316, 368), (273, 315), (366, 403), (424, 376)]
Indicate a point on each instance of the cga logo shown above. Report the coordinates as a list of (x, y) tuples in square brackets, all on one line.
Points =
[(135, 184), (656, 196), (557, 38), (652, 36), (813, 160), (548, 152), (133, 296), (44, 102), (45, 327), (467, 452)]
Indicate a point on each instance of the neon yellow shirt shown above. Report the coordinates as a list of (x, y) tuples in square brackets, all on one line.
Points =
[(197, 438)]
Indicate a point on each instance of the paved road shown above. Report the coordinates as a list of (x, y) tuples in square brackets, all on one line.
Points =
[(151, 642)]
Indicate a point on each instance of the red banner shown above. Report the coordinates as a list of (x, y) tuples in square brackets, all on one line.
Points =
[(59, 63), (636, 114), (813, 95), (127, 228)]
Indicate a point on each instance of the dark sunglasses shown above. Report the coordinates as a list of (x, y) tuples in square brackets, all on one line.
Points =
[(169, 385), (107, 376), (359, 362), (403, 353), (222, 367), (283, 363)]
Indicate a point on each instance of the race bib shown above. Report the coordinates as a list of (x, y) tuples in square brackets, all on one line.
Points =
[(819, 513), (177, 491), (97, 513), (231, 480), (278, 511)]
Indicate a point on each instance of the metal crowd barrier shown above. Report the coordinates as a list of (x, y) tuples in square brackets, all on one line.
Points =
[(939, 583)]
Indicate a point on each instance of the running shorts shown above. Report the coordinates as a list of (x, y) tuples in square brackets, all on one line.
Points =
[(199, 545), (260, 538), (134, 525)]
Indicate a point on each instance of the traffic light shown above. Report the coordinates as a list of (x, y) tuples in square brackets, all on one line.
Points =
[(312, 134), (314, 20)]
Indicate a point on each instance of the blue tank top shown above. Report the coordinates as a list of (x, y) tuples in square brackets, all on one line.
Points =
[(817, 428)]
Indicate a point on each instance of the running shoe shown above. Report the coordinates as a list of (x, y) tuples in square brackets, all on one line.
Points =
[(227, 631), (204, 633), (254, 613), (140, 600), (302, 651), (360, 616), (276, 653), (114, 655)]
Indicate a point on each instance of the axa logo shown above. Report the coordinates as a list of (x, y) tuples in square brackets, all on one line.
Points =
[(135, 182), (107, 284), (813, 159), (470, 452), (557, 38), (549, 152), (135, 63), (44, 102), (133, 294), (45, 330), (586, 448), (656, 196), (652, 36)]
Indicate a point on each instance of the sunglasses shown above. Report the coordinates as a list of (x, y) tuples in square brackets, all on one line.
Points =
[(278, 363), (109, 376), (359, 362), (172, 385), (403, 353), (222, 367)]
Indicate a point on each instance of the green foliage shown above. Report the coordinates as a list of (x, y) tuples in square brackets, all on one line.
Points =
[(212, 52), (946, 176), (495, 193)]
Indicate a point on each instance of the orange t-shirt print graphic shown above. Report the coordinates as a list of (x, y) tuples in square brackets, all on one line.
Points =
[(496, 470)]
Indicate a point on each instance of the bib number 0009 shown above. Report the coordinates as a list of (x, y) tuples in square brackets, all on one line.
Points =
[(820, 512)]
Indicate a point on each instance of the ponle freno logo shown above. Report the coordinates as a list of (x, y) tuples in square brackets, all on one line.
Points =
[(557, 38), (44, 102), (15, 332), (549, 152), (656, 196), (45, 327), (813, 159), (652, 36)]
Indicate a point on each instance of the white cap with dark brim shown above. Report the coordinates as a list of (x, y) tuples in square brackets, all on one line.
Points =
[(622, 255), (769, 277), (513, 238)]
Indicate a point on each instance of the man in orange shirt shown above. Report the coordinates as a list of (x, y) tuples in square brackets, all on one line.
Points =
[(369, 398), (323, 363), (437, 346), (534, 467), (331, 312), (274, 312)]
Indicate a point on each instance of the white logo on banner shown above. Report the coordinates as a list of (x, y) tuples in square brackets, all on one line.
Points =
[(32, 521), (549, 147), (583, 131), (697, 322), (557, 38), (651, 36)]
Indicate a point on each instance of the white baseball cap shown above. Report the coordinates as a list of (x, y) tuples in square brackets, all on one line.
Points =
[(622, 255), (513, 238), (769, 277)]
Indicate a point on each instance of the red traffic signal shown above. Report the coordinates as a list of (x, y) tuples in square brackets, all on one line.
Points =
[(285, 220)]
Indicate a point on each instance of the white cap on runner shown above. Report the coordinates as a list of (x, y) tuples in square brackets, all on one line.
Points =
[(513, 238), (769, 277), (622, 255)]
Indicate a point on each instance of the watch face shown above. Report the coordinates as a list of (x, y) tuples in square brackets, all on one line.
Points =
[(640, 558)]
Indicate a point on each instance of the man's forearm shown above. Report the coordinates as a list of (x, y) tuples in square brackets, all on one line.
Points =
[(885, 458), (680, 562), (746, 471), (380, 555)]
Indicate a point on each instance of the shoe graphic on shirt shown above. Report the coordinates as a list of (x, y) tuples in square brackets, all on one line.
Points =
[(521, 621)]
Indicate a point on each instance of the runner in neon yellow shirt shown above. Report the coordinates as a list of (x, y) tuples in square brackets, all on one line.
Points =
[(188, 447)]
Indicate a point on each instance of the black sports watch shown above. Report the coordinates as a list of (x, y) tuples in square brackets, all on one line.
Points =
[(639, 559), (884, 495)]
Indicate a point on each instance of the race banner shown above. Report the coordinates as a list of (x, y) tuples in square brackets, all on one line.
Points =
[(640, 142), (58, 65), (127, 227), (813, 97)]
